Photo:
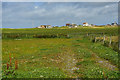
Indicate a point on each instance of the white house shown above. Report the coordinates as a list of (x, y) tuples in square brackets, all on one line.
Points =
[(44, 26), (85, 24), (114, 24), (39, 27), (48, 26)]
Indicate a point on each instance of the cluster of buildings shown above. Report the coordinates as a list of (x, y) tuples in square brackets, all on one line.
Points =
[(112, 24), (71, 25), (86, 24), (44, 26), (75, 25)]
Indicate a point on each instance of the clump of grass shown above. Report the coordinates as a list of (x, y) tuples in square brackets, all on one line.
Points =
[(16, 65), (105, 53), (10, 60), (7, 66), (43, 72), (10, 70)]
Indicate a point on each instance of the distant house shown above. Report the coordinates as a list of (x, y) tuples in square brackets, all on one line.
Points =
[(39, 27), (114, 24), (85, 24), (44, 26), (48, 26), (68, 24), (71, 25), (74, 25)]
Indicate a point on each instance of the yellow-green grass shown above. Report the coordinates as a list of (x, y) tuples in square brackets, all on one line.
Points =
[(54, 58), (107, 38), (34, 53), (68, 30)]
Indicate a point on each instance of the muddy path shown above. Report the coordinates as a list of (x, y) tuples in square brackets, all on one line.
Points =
[(67, 62)]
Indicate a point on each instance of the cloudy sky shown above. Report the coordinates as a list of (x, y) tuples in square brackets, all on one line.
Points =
[(33, 14)]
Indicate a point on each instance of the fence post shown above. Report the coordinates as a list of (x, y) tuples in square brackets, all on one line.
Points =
[(90, 37), (68, 36), (110, 40), (95, 39), (26, 35), (119, 45), (87, 34), (103, 39), (99, 38)]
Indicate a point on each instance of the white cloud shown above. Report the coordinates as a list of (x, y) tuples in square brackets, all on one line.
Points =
[(36, 7), (107, 6), (58, 13)]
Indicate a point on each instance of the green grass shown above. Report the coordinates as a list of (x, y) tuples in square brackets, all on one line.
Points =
[(90, 70), (87, 63), (102, 51), (49, 57), (30, 53), (32, 32), (106, 53), (43, 72)]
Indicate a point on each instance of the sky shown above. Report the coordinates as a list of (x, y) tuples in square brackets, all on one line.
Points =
[(60, 0), (33, 14)]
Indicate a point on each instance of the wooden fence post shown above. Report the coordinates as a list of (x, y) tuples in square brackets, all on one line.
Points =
[(119, 44), (95, 39), (87, 34), (26, 35), (103, 39), (99, 38), (110, 41), (90, 37), (68, 36)]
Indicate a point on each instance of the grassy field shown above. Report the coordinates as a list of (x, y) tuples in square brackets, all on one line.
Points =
[(30, 33), (58, 57)]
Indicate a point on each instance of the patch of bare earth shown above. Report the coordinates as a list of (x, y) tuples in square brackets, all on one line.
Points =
[(67, 62)]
